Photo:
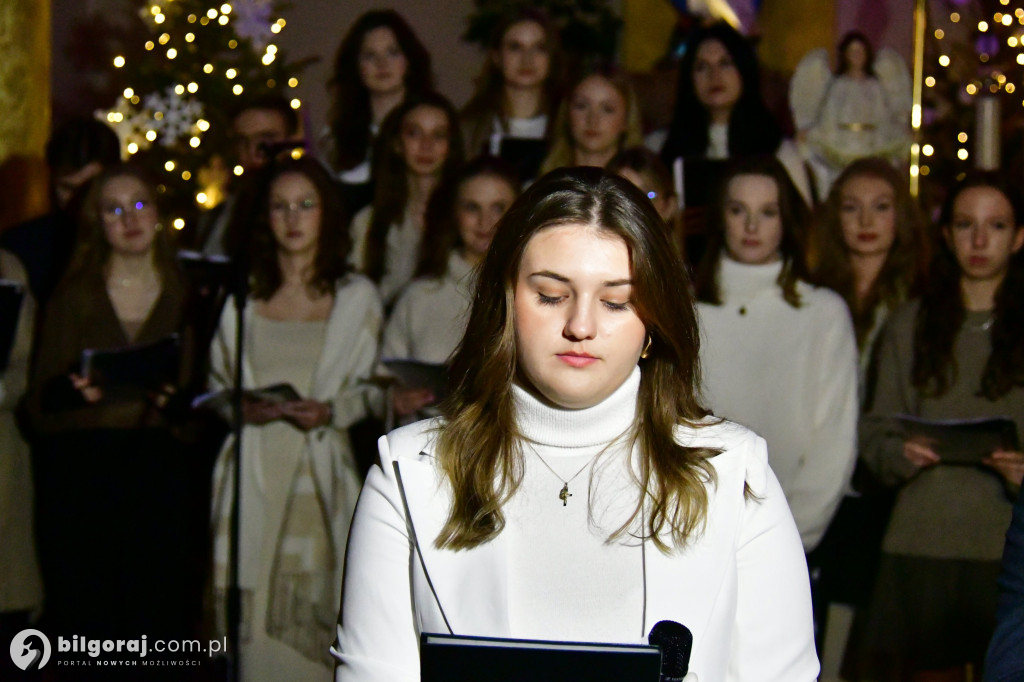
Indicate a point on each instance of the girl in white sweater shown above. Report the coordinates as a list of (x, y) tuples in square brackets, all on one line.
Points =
[(779, 354), (575, 488)]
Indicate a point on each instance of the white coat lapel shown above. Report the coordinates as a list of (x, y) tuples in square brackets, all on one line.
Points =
[(471, 586)]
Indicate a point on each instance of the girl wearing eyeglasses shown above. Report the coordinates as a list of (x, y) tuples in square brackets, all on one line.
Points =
[(111, 476), (312, 324)]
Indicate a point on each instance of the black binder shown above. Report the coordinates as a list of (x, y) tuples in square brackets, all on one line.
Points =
[(416, 374), (147, 365), (444, 658), (963, 441)]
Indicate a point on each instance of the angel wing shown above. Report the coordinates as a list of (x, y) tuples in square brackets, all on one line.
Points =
[(808, 86), (892, 72)]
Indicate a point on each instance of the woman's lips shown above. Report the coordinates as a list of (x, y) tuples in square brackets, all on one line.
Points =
[(867, 237), (978, 261), (751, 243), (577, 359)]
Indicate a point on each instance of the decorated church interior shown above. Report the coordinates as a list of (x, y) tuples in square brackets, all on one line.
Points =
[(243, 241)]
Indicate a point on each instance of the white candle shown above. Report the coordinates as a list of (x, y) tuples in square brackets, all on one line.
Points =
[(986, 132)]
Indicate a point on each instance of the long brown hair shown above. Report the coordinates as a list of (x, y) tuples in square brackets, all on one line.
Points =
[(333, 243), (93, 250), (793, 213), (562, 144), (479, 443), (350, 112), (391, 189), (752, 127), (440, 229), (942, 311), (488, 100), (904, 267)]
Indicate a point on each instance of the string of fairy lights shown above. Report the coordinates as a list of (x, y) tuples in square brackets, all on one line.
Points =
[(974, 52), (180, 89)]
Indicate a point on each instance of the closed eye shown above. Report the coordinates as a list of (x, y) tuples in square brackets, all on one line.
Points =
[(549, 300), (618, 307)]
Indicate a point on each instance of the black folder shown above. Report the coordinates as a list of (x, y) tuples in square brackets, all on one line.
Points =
[(204, 271), (416, 374), (12, 294), (149, 365), (963, 441), (444, 658)]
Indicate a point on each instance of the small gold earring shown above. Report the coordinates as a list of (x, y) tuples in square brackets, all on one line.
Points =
[(647, 347)]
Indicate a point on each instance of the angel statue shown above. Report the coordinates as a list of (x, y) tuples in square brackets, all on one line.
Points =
[(863, 109)]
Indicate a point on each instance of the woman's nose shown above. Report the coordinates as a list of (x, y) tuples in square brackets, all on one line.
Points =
[(580, 324)]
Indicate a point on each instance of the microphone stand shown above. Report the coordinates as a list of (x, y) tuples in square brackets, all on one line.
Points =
[(239, 243)]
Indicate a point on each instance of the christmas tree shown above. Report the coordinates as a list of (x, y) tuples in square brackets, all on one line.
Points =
[(973, 68), (179, 92)]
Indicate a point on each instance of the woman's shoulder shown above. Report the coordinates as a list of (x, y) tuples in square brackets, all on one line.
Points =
[(11, 267), (361, 219), (714, 432), (354, 282), (77, 290), (822, 300), (742, 452), (355, 289), (413, 442), (903, 317)]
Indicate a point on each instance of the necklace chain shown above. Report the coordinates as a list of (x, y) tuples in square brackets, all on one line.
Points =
[(564, 493)]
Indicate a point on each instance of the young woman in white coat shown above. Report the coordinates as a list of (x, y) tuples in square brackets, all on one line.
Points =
[(312, 324), (575, 487), (780, 355)]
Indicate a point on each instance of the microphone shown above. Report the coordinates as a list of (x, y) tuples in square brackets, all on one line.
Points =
[(675, 641), (270, 150)]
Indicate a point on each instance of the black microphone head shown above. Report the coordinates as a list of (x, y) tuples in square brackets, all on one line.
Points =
[(675, 641)]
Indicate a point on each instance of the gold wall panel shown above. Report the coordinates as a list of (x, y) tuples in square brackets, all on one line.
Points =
[(25, 103)]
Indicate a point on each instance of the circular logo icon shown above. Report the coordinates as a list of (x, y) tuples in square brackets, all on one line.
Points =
[(30, 649)]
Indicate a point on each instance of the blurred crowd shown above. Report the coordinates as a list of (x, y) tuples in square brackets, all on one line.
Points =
[(839, 321)]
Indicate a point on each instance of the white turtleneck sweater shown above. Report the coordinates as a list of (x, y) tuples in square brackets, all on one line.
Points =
[(790, 374), (565, 580), (740, 584)]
